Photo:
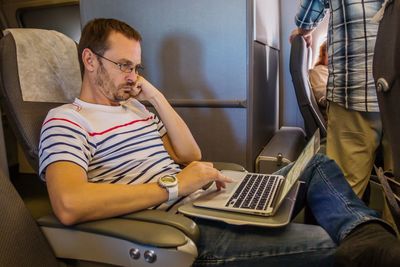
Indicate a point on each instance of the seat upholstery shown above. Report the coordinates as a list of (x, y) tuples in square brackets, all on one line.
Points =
[(308, 106), (21, 241), (26, 118)]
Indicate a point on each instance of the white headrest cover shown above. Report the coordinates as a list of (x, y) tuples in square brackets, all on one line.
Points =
[(48, 65)]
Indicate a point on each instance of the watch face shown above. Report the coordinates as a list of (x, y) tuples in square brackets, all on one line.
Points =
[(168, 180)]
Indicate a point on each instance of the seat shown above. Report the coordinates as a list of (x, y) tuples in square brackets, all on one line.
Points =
[(386, 71), (299, 58), (136, 239)]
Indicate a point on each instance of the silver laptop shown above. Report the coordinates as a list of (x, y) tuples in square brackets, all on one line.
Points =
[(260, 194)]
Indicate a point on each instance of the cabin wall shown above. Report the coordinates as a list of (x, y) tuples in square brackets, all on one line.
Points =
[(289, 112), (206, 59), (221, 63)]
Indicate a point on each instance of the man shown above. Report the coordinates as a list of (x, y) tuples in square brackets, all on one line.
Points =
[(105, 155), (354, 130)]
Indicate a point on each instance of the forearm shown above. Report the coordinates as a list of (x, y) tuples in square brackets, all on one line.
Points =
[(75, 200), (310, 14), (180, 137), (90, 201)]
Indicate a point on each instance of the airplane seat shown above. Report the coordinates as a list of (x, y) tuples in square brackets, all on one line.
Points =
[(21, 241), (137, 239), (299, 58), (386, 72)]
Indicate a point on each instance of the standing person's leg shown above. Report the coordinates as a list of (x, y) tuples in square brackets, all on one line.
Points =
[(352, 140)]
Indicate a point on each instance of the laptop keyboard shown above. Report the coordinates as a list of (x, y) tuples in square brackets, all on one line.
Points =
[(256, 192)]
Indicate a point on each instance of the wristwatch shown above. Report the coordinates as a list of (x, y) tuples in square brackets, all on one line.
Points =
[(170, 183)]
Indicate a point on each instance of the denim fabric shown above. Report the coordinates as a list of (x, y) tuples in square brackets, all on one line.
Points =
[(334, 205)]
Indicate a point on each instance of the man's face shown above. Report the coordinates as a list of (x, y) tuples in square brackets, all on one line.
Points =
[(113, 83)]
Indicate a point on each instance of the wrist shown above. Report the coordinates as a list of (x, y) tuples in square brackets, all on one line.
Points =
[(170, 184), (157, 99), (304, 32)]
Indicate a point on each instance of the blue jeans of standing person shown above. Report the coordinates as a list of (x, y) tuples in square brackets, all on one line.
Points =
[(332, 202)]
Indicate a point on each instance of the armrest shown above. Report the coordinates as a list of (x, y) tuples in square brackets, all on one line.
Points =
[(283, 148), (177, 221), (228, 166), (123, 241)]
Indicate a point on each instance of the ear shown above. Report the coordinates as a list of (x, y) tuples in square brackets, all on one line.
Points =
[(89, 60)]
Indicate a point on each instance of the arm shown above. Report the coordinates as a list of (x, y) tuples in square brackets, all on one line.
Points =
[(310, 14), (179, 141), (76, 200)]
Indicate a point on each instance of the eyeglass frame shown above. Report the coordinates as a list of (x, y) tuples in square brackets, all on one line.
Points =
[(121, 65)]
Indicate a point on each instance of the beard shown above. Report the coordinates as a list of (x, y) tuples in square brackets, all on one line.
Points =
[(112, 92)]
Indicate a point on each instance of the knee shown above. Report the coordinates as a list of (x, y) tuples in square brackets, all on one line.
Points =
[(320, 159)]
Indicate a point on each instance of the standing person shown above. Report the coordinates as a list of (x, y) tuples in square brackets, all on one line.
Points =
[(106, 155), (354, 126)]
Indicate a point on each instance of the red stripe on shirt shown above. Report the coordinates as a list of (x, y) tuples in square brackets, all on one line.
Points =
[(99, 133)]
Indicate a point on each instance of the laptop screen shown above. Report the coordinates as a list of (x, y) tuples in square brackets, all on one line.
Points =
[(306, 155)]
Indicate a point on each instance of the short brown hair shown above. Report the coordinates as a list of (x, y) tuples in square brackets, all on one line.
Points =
[(95, 35)]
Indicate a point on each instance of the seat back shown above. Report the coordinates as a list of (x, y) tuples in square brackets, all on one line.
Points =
[(386, 71), (299, 58), (21, 241), (26, 116)]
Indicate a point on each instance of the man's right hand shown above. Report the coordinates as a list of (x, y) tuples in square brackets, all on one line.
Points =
[(305, 33), (197, 174)]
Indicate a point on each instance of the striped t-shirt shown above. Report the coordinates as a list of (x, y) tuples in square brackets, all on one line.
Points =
[(351, 43), (113, 144)]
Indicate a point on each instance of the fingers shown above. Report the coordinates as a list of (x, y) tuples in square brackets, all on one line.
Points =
[(215, 174), (137, 87), (136, 90), (223, 178), (293, 34), (308, 39)]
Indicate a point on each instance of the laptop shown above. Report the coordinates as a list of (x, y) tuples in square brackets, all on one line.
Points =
[(260, 194)]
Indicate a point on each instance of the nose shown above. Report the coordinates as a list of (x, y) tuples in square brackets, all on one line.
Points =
[(131, 77)]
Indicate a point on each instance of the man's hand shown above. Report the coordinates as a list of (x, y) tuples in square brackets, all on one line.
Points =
[(198, 174), (143, 90), (305, 33)]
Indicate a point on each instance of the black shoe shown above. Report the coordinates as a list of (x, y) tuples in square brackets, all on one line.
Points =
[(369, 244)]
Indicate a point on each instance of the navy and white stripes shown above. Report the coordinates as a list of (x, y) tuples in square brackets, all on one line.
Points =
[(113, 144)]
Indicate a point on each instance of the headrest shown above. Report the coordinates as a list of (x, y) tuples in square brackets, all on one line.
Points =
[(48, 65)]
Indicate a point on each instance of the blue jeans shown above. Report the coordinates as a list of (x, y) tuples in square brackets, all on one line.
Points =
[(333, 204)]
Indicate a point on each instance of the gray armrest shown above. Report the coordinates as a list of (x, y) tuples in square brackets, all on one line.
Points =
[(118, 240), (177, 221), (228, 166), (284, 147)]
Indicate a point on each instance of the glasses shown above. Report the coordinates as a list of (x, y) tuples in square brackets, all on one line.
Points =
[(124, 67)]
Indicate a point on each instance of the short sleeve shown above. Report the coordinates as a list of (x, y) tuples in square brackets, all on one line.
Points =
[(62, 138)]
